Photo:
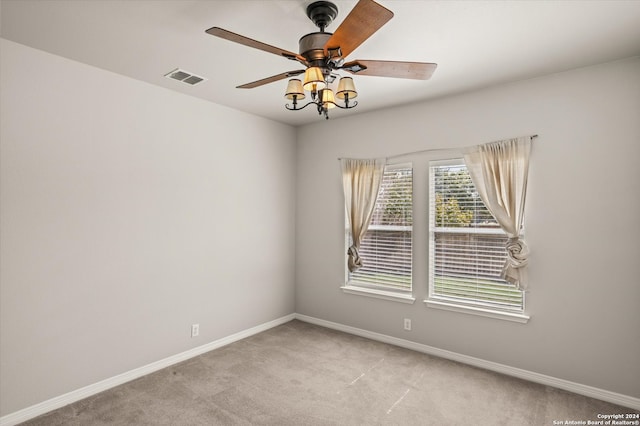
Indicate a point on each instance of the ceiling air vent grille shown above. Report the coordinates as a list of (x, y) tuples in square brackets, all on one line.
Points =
[(185, 77)]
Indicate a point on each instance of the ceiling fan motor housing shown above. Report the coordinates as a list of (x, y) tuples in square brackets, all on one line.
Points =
[(311, 46)]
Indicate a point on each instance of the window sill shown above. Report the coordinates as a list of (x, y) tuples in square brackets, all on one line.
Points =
[(508, 316), (379, 294)]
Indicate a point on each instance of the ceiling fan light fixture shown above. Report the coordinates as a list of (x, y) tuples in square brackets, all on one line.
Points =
[(313, 79), (324, 99), (346, 88), (294, 90), (327, 98)]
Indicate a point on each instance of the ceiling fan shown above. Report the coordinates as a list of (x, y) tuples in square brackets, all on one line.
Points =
[(322, 53)]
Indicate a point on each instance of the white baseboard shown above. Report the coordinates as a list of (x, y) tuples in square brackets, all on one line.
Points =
[(71, 397), (592, 392)]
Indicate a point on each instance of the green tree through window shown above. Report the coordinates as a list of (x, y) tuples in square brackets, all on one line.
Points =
[(458, 204)]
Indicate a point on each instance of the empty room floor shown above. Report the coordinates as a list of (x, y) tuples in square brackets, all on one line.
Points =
[(303, 374)]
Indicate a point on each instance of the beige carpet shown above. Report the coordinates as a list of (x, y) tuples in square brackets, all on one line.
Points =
[(301, 374)]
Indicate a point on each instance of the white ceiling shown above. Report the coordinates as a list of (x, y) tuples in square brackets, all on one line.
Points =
[(475, 43)]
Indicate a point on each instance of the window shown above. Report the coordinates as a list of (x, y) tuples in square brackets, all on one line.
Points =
[(466, 245), (386, 248)]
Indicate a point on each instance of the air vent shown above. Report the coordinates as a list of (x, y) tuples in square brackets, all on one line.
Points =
[(185, 77)]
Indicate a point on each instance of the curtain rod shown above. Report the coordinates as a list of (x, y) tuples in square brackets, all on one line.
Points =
[(433, 150)]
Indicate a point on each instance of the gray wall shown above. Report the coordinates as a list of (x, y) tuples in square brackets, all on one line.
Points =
[(128, 213), (582, 224)]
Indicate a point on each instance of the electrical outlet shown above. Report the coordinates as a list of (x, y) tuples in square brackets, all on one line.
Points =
[(407, 324), (195, 330)]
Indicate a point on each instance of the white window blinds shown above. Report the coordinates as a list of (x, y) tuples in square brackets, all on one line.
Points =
[(467, 246), (386, 248)]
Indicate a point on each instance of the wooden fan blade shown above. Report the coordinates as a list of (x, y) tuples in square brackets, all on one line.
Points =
[(365, 18), (412, 70), (237, 38), (270, 79)]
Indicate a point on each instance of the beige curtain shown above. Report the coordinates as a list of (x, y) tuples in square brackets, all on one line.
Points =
[(361, 182), (499, 171)]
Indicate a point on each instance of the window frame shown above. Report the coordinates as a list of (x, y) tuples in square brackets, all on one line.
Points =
[(459, 305), (377, 290)]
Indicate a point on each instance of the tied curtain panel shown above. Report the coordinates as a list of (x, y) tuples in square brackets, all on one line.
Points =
[(361, 181), (499, 171)]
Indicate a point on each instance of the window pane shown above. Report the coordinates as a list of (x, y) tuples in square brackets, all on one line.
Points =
[(457, 202), (467, 246), (386, 249)]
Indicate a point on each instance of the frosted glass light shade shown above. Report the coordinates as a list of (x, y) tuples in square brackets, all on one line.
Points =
[(346, 87), (313, 79), (294, 88), (328, 101)]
